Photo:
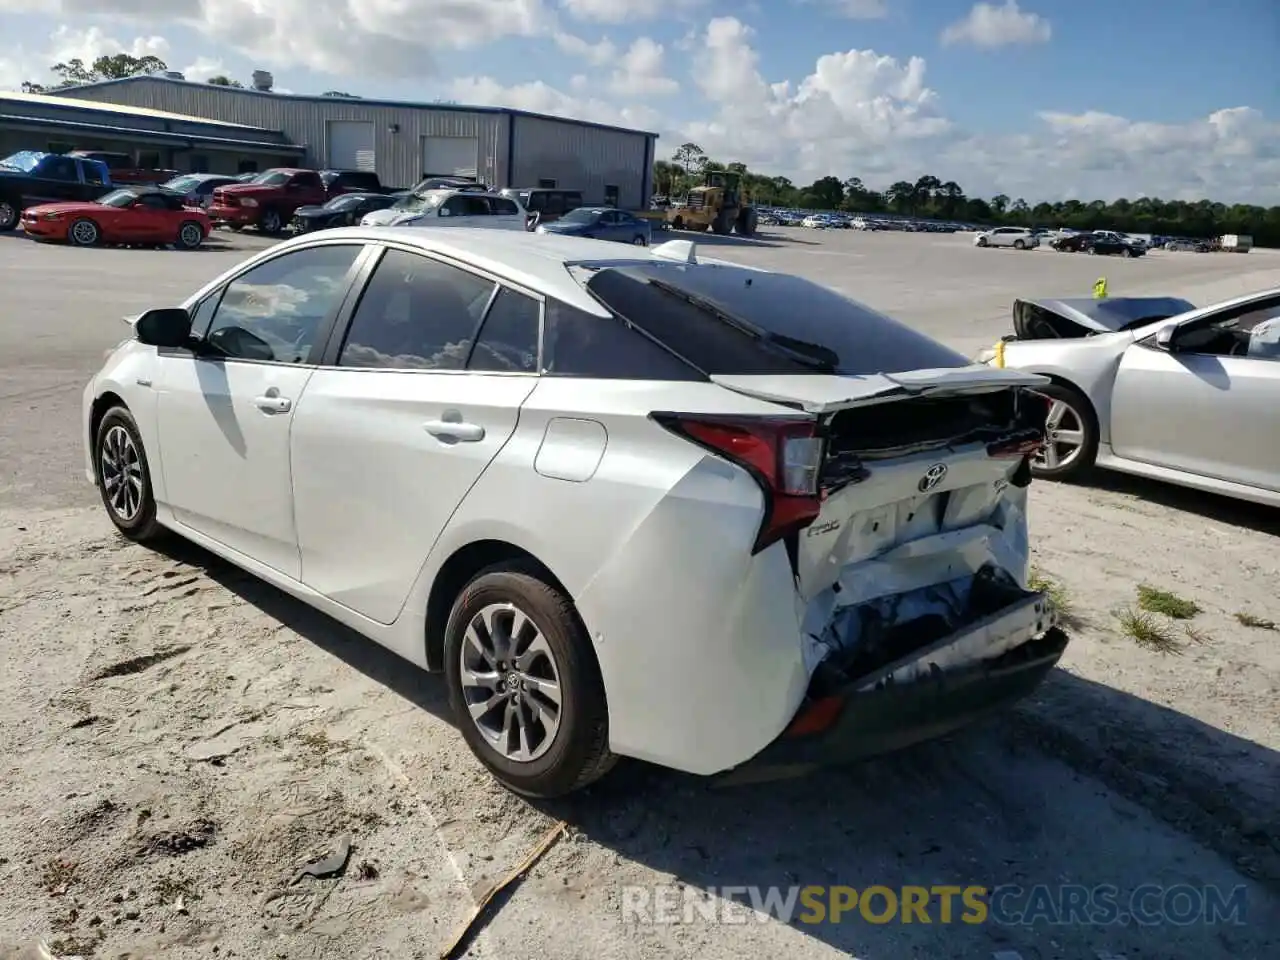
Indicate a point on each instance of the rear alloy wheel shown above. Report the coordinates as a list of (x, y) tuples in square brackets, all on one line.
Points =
[(1019, 245), (84, 233), (640, 241), (8, 215), (124, 478), (524, 684), (1126, 252), (190, 235), (1071, 435)]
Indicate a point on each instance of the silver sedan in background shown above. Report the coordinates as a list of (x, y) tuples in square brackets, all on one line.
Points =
[(1190, 398)]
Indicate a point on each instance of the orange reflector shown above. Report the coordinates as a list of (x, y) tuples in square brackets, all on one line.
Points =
[(816, 717)]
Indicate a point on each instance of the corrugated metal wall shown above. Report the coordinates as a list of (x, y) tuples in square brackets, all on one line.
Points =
[(580, 158), (133, 121), (304, 121)]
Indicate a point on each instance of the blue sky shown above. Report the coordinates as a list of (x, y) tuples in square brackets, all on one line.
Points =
[(1043, 98)]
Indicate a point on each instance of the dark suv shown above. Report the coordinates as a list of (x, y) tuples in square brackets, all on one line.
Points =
[(351, 181), (547, 203)]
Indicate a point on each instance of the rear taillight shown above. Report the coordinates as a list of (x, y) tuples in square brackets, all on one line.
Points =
[(782, 454)]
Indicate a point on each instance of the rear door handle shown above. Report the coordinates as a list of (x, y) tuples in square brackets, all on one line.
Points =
[(272, 404), (454, 430)]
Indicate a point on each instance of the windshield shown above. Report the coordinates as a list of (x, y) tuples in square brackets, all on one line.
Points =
[(271, 178), (24, 160), (344, 202), (117, 198), (581, 215), (416, 204), (182, 184)]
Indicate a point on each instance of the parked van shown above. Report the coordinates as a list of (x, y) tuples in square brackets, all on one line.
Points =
[(1237, 243)]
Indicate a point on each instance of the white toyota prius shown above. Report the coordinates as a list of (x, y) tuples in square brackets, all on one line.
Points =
[(630, 502)]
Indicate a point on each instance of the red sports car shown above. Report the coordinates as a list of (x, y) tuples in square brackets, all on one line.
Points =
[(130, 215)]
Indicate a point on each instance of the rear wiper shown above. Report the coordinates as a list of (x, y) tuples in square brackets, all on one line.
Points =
[(808, 354)]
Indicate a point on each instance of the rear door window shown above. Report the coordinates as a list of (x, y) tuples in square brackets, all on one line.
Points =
[(508, 341), (416, 314)]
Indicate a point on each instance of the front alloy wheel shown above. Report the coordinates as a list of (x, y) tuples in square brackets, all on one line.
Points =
[(1071, 436), (124, 478)]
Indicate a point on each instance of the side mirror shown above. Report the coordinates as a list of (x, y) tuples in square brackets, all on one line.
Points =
[(1165, 338), (165, 327)]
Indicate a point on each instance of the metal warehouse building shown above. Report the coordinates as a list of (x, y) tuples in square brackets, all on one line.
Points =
[(404, 141), (157, 138)]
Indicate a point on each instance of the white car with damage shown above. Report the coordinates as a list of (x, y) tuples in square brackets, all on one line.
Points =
[(629, 501)]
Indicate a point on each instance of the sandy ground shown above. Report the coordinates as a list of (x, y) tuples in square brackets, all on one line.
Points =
[(177, 740)]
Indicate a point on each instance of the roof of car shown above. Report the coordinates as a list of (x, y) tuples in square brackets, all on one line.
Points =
[(536, 261)]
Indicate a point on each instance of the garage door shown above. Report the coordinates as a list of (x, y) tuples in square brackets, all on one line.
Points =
[(351, 145), (450, 156)]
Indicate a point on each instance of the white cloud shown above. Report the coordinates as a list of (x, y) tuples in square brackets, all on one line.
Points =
[(856, 9), (203, 68), (540, 97), (641, 72), (989, 26), (598, 53), (621, 11), (67, 43)]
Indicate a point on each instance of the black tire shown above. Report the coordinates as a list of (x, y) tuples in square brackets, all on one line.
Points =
[(139, 524), (1126, 252), (84, 233), (1019, 245), (1082, 412), (579, 749), (677, 223), (748, 220), (723, 224), (190, 235), (982, 241), (271, 223), (639, 240), (10, 214)]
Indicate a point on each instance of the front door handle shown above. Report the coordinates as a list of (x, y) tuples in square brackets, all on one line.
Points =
[(454, 431), (272, 403)]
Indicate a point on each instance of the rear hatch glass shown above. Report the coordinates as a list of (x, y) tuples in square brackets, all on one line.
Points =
[(735, 321)]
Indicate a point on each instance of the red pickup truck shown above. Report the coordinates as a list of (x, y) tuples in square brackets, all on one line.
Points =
[(268, 200)]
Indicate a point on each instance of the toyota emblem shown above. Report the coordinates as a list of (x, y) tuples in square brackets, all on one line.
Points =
[(932, 477)]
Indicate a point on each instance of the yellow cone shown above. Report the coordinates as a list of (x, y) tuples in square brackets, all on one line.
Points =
[(1100, 288)]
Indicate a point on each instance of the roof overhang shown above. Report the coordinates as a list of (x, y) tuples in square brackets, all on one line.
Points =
[(161, 137)]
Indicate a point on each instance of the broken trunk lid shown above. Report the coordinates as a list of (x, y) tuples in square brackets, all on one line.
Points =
[(830, 393), (1085, 316)]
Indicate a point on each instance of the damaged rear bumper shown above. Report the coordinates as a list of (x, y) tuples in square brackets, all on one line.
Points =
[(919, 697)]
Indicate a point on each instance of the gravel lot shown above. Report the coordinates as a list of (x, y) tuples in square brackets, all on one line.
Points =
[(177, 739)]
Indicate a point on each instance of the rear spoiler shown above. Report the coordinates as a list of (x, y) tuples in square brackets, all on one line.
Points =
[(825, 393)]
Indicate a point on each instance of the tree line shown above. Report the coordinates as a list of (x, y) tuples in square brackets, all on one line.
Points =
[(928, 197)]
